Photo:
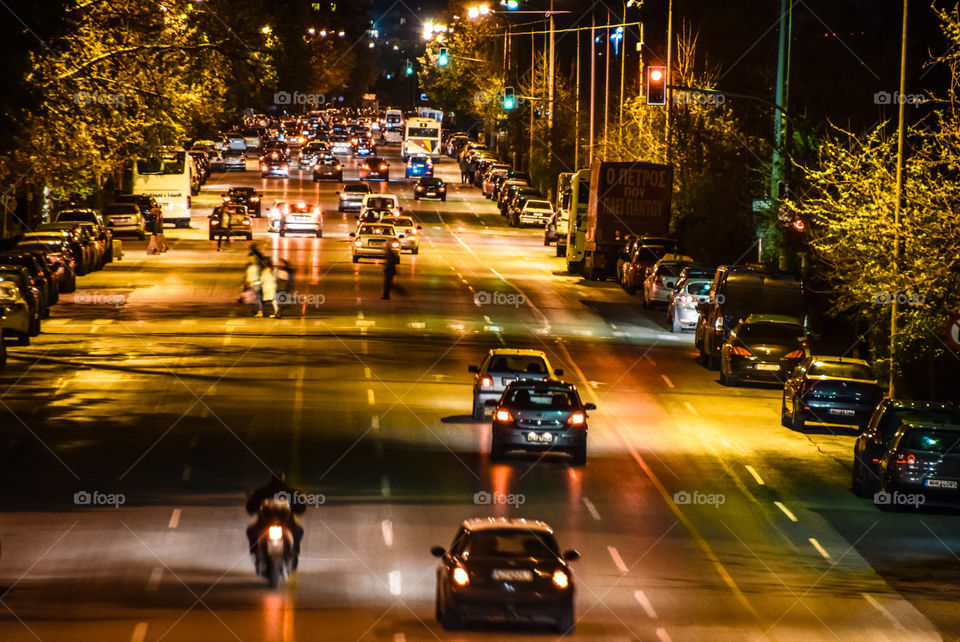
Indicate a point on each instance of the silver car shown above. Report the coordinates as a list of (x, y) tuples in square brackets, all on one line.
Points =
[(502, 366), (661, 278), (374, 241), (682, 309), (125, 218), (15, 311)]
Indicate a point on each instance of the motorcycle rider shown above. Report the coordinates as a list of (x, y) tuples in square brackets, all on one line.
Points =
[(276, 488)]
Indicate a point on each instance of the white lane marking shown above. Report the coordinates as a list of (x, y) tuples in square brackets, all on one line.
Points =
[(590, 507), (195, 440), (667, 380), (227, 339), (154, 582), (820, 549), (375, 422), (367, 374), (139, 632), (644, 601), (399, 637), (378, 449), (363, 330), (386, 527), (617, 560), (186, 473), (370, 398), (174, 519), (385, 486), (754, 473), (693, 411), (786, 511), (204, 412), (419, 325), (663, 635), (648, 358), (360, 314), (395, 588), (883, 610), (363, 343)]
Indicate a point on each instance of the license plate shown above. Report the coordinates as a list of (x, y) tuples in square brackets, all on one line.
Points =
[(768, 366), (121, 219), (512, 575), (843, 412), (506, 380), (939, 483), (539, 438), (376, 243)]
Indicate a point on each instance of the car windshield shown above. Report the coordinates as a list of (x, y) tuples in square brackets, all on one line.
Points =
[(772, 332), (940, 442), (841, 370), (240, 192), (74, 216), (377, 230), (758, 294), (380, 203), (513, 543), (542, 399), (163, 163), (530, 364)]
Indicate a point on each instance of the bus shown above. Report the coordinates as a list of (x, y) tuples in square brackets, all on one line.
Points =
[(392, 130), (169, 176), (421, 136), (576, 228), (429, 112)]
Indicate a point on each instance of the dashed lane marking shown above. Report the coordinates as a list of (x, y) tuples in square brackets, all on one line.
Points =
[(139, 632), (666, 380), (591, 508), (153, 583), (786, 511), (644, 601), (753, 472), (820, 549), (386, 527), (617, 560), (174, 519)]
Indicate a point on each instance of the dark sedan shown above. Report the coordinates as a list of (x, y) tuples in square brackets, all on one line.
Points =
[(921, 466), (274, 164), (374, 168), (540, 416), (763, 347), (831, 390), (246, 196), (327, 167), (499, 569), (430, 187)]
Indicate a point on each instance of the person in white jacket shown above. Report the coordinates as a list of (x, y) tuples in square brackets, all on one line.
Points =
[(268, 282), (252, 281)]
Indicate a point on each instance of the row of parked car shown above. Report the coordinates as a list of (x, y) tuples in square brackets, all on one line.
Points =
[(44, 263)]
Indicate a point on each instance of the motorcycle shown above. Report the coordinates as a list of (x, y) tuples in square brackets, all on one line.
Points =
[(275, 557)]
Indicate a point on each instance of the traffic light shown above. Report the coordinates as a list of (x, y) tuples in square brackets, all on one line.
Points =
[(512, 5), (442, 58), (509, 99), (409, 69), (656, 85)]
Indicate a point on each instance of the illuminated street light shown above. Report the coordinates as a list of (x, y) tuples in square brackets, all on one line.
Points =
[(266, 30), (311, 31), (323, 34), (341, 33), (370, 45)]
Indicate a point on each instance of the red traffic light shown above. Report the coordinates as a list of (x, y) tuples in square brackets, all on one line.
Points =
[(799, 225), (655, 74), (656, 85)]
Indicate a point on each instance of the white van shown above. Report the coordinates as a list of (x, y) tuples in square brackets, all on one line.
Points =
[(381, 202)]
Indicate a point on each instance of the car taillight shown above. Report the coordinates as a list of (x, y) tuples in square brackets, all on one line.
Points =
[(285, 166), (254, 199), (486, 382), (339, 166), (343, 197), (504, 415), (460, 576), (383, 167), (685, 298), (409, 165), (275, 532), (796, 354), (740, 350), (263, 167), (576, 419), (214, 222), (658, 281), (718, 325), (226, 198), (560, 579), (906, 459)]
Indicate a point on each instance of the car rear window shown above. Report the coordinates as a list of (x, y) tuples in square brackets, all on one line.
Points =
[(701, 288), (125, 208), (401, 222), (940, 442), (356, 189), (770, 332), (378, 230), (540, 205), (534, 399), (513, 543), (529, 364), (380, 203), (841, 370)]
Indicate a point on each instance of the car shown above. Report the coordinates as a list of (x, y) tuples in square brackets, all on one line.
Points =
[(327, 167), (274, 164), (340, 145), (500, 367), (922, 460), (17, 320), (418, 166), (886, 420), (499, 568), (364, 147), (543, 416), (692, 287), (351, 198), (234, 160), (534, 212), (311, 153), (149, 207), (377, 201), (661, 278), (430, 187), (647, 250), (375, 168), (374, 240), (95, 218), (58, 251), (834, 390), (762, 347), (230, 220), (246, 196), (489, 178), (276, 147), (202, 162), (81, 246), (235, 143), (300, 217), (20, 277), (411, 231), (125, 219), (42, 271), (372, 216)]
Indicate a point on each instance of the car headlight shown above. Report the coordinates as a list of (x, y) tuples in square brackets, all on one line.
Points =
[(504, 415), (560, 579), (460, 576)]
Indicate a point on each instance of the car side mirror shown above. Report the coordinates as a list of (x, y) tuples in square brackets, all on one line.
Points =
[(337, 193), (419, 227), (437, 551), (491, 403), (558, 372), (589, 406), (353, 233), (571, 556), (399, 236), (357, 217), (400, 208), (473, 369)]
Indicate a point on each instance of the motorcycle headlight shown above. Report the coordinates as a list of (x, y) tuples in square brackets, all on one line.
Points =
[(275, 532)]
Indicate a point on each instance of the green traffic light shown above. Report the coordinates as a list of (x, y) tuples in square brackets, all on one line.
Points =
[(508, 103), (442, 59), (409, 70)]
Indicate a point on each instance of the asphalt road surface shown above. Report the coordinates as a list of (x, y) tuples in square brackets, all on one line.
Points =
[(698, 516)]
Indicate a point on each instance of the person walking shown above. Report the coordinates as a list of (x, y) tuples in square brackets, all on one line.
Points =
[(268, 280), (389, 272), (253, 283)]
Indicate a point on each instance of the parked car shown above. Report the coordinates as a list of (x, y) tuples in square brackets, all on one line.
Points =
[(17, 320), (923, 459), (489, 179), (534, 212), (646, 251), (80, 246), (875, 440), (500, 367), (20, 277), (149, 207), (691, 288), (835, 390), (505, 569), (762, 347), (125, 219), (58, 251), (48, 290), (661, 278)]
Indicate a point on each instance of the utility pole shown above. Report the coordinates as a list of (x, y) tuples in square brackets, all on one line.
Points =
[(894, 308), (775, 167), (606, 88), (576, 109), (623, 66), (550, 94), (533, 83), (593, 81), (667, 94)]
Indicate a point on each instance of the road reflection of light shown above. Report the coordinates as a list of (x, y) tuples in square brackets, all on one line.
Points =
[(500, 477), (278, 617), (575, 487)]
